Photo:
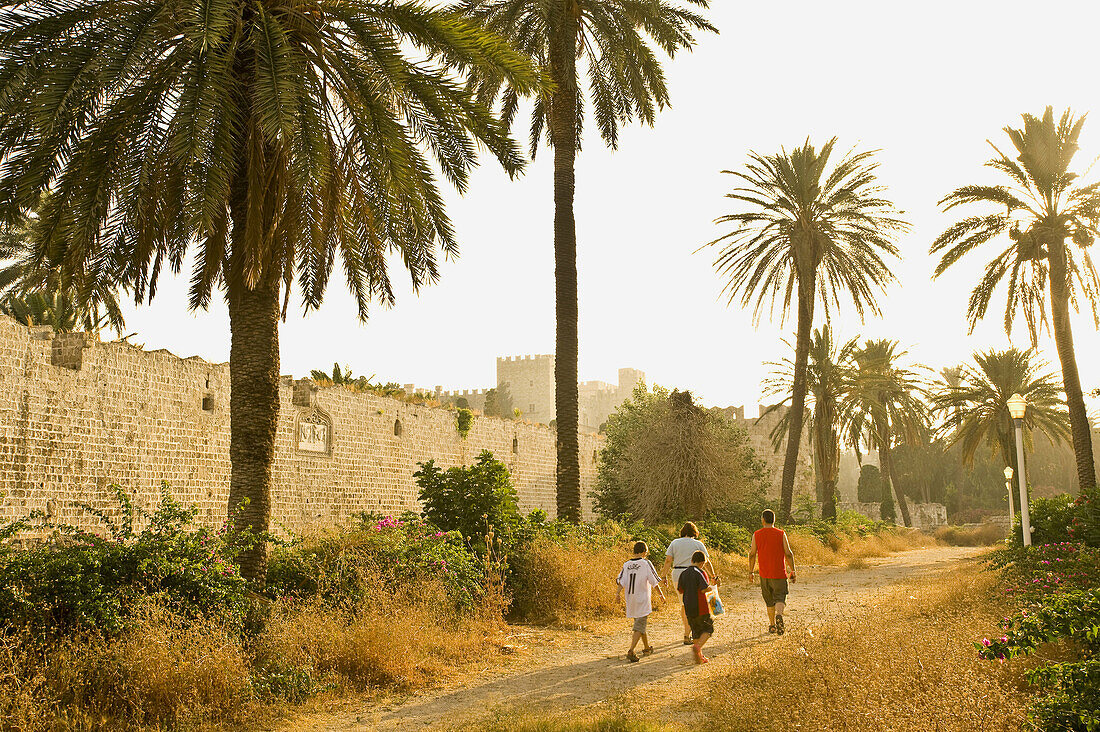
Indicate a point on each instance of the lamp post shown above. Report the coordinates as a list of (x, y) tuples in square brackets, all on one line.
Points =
[(1017, 407), (1008, 486)]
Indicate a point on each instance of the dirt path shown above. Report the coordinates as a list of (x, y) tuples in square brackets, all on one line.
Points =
[(593, 669)]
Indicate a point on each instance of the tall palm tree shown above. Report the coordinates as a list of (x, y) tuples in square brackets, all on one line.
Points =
[(808, 232), (828, 374), (1046, 219), (883, 406), (976, 406), (625, 82), (274, 135)]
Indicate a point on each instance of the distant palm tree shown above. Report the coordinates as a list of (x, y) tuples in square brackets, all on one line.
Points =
[(977, 406), (625, 82), (56, 310), (261, 139), (32, 291), (828, 375), (810, 233), (1048, 220), (882, 406)]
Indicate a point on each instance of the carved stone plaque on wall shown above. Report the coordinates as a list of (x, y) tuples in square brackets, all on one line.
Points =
[(314, 432)]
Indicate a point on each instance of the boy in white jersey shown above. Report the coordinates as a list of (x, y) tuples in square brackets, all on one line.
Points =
[(636, 580)]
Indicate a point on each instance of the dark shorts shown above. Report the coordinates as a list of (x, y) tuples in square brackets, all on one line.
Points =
[(701, 624), (773, 590)]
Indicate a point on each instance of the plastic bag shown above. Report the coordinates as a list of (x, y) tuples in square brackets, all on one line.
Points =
[(715, 602)]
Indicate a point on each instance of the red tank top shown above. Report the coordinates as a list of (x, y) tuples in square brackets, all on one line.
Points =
[(769, 550)]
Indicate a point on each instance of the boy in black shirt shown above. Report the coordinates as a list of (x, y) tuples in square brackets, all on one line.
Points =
[(694, 584)]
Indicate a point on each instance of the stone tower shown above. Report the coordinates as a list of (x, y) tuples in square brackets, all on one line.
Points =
[(530, 382)]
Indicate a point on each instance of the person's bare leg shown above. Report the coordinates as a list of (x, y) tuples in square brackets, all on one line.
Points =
[(634, 642), (771, 615), (684, 618), (645, 642), (697, 648)]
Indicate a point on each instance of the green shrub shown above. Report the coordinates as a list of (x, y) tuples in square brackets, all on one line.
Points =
[(870, 487), (1050, 520), (78, 580), (726, 537), (1085, 525), (464, 420), (1070, 690), (341, 568), (469, 498)]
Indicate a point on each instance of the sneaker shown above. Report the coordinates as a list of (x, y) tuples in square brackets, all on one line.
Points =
[(688, 641), (632, 657), (779, 629), (771, 629)]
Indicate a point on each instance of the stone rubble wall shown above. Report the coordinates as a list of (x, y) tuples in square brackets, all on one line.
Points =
[(77, 416), (926, 516)]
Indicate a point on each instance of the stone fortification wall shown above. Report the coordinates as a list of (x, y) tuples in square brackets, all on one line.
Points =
[(78, 415)]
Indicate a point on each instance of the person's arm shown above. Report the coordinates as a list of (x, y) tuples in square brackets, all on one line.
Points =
[(668, 566), (711, 571), (789, 555), (752, 557)]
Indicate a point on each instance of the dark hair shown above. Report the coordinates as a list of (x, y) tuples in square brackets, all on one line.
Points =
[(768, 516), (640, 547), (698, 557), (689, 529)]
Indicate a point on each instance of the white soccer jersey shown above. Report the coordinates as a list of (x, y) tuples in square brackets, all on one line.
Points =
[(638, 578)]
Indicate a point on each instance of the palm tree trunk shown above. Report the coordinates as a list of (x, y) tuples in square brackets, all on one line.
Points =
[(798, 396), (253, 415), (887, 465), (253, 383), (1063, 339), (563, 134)]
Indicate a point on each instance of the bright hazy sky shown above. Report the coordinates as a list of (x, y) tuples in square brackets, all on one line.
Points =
[(926, 83)]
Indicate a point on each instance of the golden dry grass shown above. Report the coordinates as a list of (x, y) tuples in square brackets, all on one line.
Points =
[(401, 642), (985, 534), (163, 674), (570, 583), (808, 549), (907, 663)]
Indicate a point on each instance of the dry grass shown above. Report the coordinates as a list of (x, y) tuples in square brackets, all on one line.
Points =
[(399, 643), (164, 673), (985, 534), (568, 584), (575, 721), (808, 549), (907, 664)]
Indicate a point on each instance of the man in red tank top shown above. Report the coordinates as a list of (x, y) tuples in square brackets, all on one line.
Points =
[(771, 546)]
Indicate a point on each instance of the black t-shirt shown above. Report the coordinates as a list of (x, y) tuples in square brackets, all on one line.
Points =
[(693, 583)]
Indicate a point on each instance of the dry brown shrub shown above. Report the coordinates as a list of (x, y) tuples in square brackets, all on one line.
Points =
[(404, 642), (163, 673), (906, 663), (567, 582), (808, 549), (985, 534)]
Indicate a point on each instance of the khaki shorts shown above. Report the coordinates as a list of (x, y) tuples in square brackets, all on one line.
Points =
[(773, 590), (640, 624)]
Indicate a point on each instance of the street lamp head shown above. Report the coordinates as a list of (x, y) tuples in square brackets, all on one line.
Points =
[(1008, 473), (1017, 406)]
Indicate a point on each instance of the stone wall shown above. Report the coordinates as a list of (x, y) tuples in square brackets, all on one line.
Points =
[(77, 415), (926, 516)]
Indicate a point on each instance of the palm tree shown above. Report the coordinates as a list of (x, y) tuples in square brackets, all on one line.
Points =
[(1047, 220), (883, 405), (810, 232), (625, 82), (274, 135), (828, 374), (977, 405), (32, 292)]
